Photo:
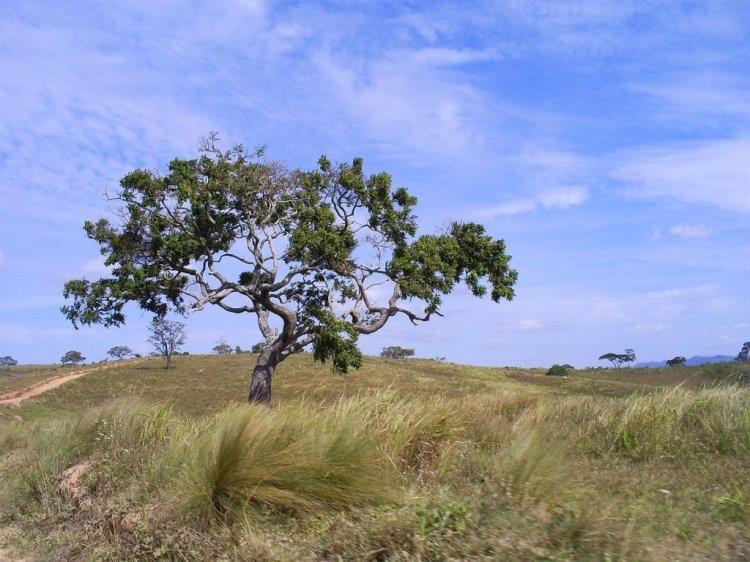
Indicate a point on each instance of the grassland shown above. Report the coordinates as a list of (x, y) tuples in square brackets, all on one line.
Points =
[(402, 460)]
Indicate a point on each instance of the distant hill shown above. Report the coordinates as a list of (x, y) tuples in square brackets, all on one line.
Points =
[(694, 360)]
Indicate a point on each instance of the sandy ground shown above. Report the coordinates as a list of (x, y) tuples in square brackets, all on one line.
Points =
[(15, 397)]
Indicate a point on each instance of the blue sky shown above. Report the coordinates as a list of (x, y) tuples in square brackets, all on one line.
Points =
[(608, 141)]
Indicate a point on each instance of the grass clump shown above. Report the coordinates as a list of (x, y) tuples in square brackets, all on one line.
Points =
[(288, 459)]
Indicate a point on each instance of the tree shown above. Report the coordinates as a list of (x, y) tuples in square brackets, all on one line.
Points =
[(676, 361), (744, 352), (167, 337), (72, 357), (258, 347), (222, 348), (7, 361), (618, 359), (628, 356), (558, 370), (396, 352), (120, 352), (304, 251)]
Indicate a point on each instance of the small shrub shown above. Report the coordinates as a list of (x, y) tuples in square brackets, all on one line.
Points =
[(558, 370)]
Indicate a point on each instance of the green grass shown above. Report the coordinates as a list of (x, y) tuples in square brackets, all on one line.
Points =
[(402, 460)]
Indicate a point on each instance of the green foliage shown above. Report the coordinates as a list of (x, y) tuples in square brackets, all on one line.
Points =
[(233, 230), (558, 370), (396, 352), (222, 348), (337, 340), (618, 359), (72, 357), (120, 352), (7, 361), (744, 354), (676, 361)]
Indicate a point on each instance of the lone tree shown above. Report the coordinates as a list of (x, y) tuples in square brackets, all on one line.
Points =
[(618, 359), (72, 357), (222, 348), (7, 361), (119, 352), (744, 352), (396, 352), (305, 251), (167, 337), (676, 361)]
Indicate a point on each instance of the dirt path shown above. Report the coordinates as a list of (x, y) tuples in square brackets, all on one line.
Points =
[(15, 397)]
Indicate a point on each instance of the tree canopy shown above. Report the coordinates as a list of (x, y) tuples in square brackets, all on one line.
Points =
[(676, 361), (303, 250), (7, 361), (120, 352), (72, 357), (396, 352), (222, 348), (617, 359), (744, 352), (167, 337)]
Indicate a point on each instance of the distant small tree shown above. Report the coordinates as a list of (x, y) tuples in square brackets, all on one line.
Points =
[(617, 359), (676, 361), (258, 347), (167, 337), (120, 352), (628, 356), (222, 348), (238, 350), (744, 354), (396, 352), (72, 357), (7, 361), (558, 370)]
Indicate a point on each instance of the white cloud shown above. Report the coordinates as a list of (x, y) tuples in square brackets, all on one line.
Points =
[(559, 198), (408, 99), (691, 231), (709, 172), (685, 292), (525, 325)]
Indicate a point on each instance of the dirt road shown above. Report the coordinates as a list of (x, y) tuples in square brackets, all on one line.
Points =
[(15, 397)]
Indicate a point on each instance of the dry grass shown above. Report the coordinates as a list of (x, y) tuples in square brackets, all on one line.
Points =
[(491, 468)]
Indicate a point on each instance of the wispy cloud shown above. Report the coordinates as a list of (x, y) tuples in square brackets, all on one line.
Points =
[(524, 325), (561, 198), (691, 231), (710, 172)]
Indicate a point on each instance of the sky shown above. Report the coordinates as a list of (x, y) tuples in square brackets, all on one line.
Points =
[(607, 141)]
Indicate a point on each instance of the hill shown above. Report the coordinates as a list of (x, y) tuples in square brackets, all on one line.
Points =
[(401, 460), (694, 361)]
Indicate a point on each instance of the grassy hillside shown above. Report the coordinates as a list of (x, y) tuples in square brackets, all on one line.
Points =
[(400, 460)]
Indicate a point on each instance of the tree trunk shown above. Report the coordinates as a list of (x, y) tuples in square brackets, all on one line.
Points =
[(260, 384)]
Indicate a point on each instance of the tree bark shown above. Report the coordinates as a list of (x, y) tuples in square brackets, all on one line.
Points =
[(260, 384)]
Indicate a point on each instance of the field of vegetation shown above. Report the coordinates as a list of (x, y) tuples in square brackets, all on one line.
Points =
[(401, 460)]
